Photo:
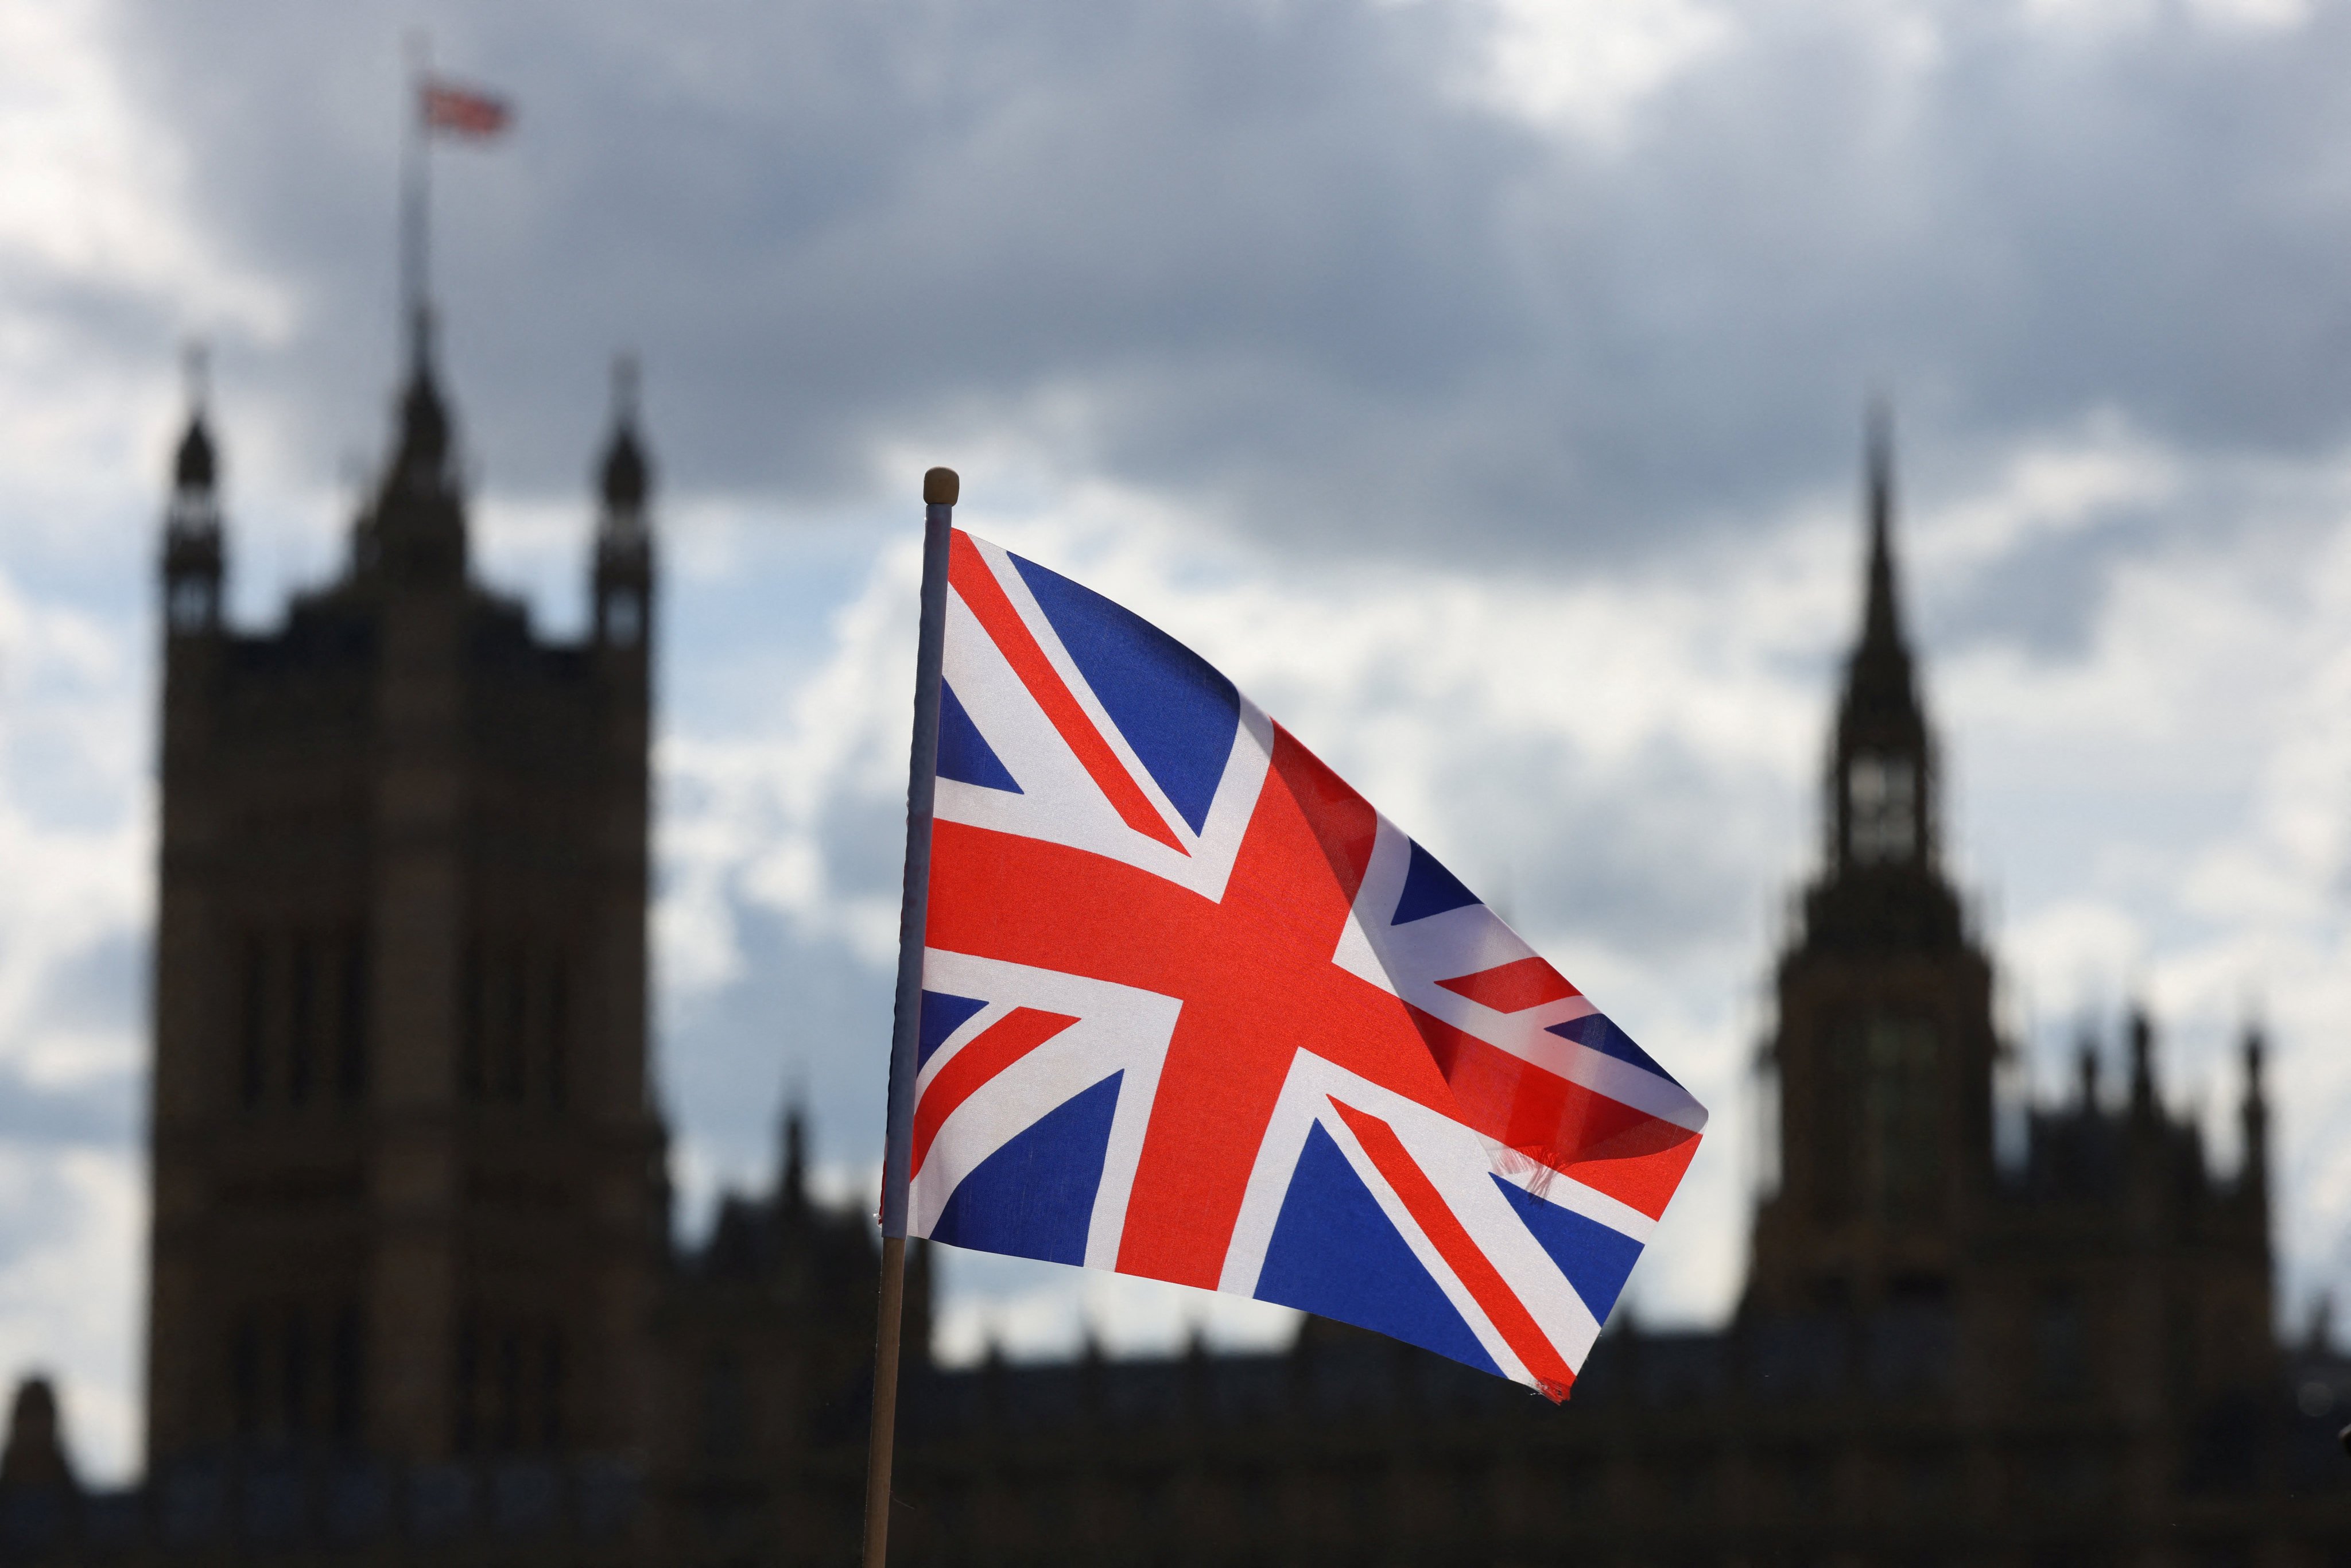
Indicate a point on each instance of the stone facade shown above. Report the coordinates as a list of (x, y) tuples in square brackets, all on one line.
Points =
[(408, 1180), (415, 1297)]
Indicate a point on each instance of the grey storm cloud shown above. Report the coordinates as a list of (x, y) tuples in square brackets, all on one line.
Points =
[(1278, 261)]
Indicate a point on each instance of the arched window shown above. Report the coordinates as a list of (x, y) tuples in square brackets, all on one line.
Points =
[(302, 1033), (557, 1022), (725, 1406), (508, 1392), (465, 1363), (253, 1022), (510, 977), (1879, 1100), (624, 617), (294, 1374), (352, 1019), (2061, 1342), (551, 1390), (473, 1005), (1903, 1103), (346, 1375), (244, 1375)]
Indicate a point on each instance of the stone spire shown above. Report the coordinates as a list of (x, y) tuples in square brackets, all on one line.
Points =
[(624, 555), (1881, 621), (2142, 1065), (195, 466), (791, 1184), (1882, 770), (2253, 1116), (35, 1454), (192, 550), (625, 476), (420, 463), (415, 527)]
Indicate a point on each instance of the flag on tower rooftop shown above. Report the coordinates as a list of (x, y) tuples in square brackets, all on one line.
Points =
[(1191, 1008), (464, 112)]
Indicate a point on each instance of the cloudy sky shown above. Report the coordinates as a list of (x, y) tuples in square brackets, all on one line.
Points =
[(1479, 381)]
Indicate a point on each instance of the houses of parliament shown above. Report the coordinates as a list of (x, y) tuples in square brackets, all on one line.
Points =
[(415, 1294)]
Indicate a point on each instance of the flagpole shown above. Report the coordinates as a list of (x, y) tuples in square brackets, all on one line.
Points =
[(416, 199), (939, 488)]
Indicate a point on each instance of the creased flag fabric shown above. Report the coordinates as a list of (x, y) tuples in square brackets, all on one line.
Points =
[(1192, 1009), (461, 111)]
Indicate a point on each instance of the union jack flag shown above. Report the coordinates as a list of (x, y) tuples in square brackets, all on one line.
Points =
[(1192, 1009), (461, 111)]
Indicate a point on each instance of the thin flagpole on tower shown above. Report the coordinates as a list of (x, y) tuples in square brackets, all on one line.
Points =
[(939, 488), (416, 199)]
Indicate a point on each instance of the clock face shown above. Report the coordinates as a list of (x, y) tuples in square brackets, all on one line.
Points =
[(1882, 807)]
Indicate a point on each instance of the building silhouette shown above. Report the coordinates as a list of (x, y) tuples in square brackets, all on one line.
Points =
[(416, 1295), (408, 1188)]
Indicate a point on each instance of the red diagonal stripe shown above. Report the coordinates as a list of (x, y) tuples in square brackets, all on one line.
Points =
[(1001, 1044), (1512, 987), (988, 601), (1631, 1155), (1461, 1252)]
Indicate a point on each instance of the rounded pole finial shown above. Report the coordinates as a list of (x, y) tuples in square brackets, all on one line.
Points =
[(940, 487)]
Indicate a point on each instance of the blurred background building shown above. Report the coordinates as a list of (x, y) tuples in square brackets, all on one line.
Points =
[(415, 1294)]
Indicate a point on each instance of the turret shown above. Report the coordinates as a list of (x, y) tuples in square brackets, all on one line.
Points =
[(624, 560), (35, 1453), (193, 553), (791, 1183), (414, 530), (2253, 1118), (2142, 1067)]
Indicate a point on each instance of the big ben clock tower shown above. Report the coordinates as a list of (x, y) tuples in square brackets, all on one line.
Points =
[(1884, 1045)]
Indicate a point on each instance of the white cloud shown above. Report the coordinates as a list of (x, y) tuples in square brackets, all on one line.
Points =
[(1590, 65), (93, 192), (2044, 490), (69, 1292), (73, 832), (1044, 1310)]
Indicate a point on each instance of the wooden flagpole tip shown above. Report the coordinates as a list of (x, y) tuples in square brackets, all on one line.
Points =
[(939, 488)]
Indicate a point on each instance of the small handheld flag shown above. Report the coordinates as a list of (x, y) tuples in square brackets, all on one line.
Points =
[(1191, 1008)]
